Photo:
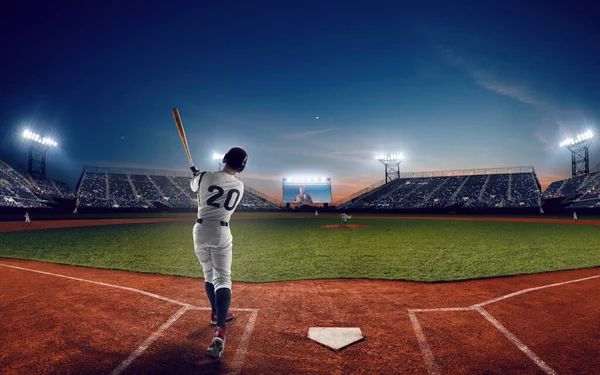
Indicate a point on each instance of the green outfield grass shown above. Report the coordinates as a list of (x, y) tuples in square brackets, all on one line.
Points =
[(292, 249)]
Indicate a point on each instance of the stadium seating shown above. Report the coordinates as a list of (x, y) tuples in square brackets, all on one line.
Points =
[(496, 193), (575, 188), (169, 189), (524, 191), (145, 188), (45, 188), (251, 202), (121, 193), (114, 190), (469, 194), (184, 185), (421, 196), (471, 191), (379, 196), (93, 190), (63, 189), (16, 190)]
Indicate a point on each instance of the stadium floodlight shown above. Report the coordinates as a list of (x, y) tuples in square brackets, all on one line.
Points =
[(579, 147), (392, 165), (38, 146), (389, 157), (580, 138), (29, 135), (306, 180)]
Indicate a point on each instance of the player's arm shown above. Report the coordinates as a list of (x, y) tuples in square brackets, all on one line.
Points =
[(196, 178)]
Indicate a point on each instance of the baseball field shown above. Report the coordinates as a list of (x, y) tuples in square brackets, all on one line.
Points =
[(122, 311)]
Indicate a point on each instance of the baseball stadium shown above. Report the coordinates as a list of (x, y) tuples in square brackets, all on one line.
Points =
[(394, 189), (479, 272)]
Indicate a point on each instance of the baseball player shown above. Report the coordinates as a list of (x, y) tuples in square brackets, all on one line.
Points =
[(575, 215), (218, 196), (316, 212), (303, 197), (27, 219), (346, 218)]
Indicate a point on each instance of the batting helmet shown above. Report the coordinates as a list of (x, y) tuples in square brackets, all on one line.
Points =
[(236, 158)]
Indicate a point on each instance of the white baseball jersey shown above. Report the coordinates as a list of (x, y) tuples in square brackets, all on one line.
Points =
[(219, 193)]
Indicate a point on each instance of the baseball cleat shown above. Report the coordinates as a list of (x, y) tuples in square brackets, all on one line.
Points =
[(217, 346), (213, 317)]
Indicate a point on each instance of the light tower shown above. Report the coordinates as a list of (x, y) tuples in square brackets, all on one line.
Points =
[(392, 165), (38, 146), (580, 156), (219, 159)]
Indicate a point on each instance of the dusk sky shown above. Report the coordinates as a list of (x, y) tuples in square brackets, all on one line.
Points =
[(450, 87)]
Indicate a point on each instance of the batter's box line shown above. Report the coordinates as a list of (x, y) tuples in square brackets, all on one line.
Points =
[(240, 353), (432, 366)]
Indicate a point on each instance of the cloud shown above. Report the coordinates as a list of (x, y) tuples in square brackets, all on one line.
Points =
[(485, 78), (521, 93)]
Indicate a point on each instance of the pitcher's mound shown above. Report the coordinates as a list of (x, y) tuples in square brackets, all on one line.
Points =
[(347, 226)]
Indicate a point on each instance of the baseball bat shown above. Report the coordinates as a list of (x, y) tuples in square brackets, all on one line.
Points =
[(179, 124)]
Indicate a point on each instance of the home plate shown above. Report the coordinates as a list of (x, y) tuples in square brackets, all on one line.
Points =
[(335, 338)]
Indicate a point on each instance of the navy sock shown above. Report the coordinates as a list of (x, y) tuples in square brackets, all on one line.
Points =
[(223, 299), (210, 292)]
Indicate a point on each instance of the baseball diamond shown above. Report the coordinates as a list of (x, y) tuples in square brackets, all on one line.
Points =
[(512, 328)]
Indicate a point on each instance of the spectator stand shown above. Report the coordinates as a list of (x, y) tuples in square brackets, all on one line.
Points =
[(17, 191), (515, 187)]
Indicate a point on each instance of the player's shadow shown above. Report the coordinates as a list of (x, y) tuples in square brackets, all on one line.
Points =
[(181, 359)]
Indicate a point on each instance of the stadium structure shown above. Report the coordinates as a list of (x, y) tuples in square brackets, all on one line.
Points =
[(487, 190)]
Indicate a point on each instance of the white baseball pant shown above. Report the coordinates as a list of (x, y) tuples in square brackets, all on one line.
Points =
[(213, 245)]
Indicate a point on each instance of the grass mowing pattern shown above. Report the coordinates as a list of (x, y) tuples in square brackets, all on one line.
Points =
[(294, 249)]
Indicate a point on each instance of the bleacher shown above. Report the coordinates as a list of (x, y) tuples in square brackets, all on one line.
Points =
[(579, 192), (145, 188), (64, 190), (525, 191), (576, 192), (92, 191), (121, 193), (477, 191), (445, 196), (17, 191), (469, 194), (115, 188)]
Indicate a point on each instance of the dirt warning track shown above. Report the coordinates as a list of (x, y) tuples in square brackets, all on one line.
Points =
[(75, 320)]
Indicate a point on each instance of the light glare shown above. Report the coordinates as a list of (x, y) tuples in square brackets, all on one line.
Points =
[(389, 157), (307, 179), (578, 139), (27, 134)]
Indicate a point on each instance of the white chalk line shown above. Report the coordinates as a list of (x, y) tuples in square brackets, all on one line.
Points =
[(533, 289), (105, 284), (146, 344), (522, 347), (428, 357), (432, 366), (444, 309), (241, 351)]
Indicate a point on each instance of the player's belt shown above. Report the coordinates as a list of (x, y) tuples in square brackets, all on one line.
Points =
[(223, 223)]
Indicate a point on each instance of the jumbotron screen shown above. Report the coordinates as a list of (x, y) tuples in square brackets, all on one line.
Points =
[(307, 190)]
